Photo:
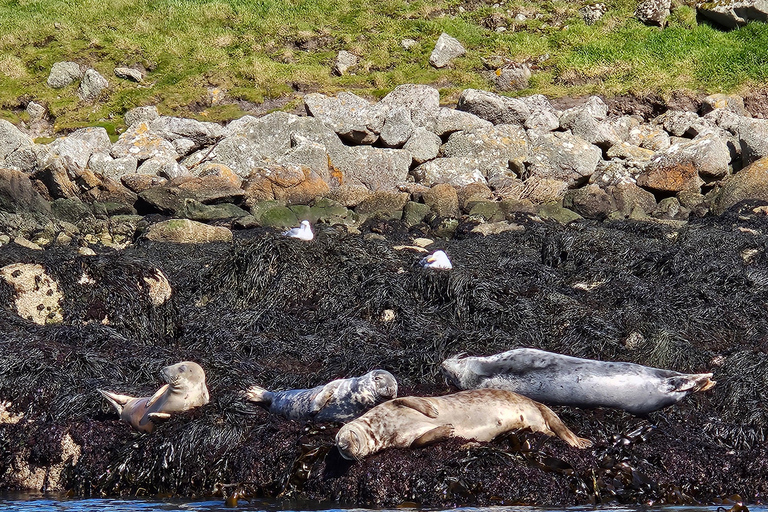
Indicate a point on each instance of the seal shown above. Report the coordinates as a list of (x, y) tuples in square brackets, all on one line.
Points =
[(478, 414), (339, 400), (564, 380), (185, 389)]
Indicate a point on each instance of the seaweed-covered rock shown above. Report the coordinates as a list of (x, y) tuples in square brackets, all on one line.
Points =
[(187, 231)]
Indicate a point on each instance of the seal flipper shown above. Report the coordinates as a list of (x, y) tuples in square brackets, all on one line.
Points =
[(157, 395), (118, 401), (433, 436), (419, 404), (259, 395), (690, 383), (156, 417), (324, 396)]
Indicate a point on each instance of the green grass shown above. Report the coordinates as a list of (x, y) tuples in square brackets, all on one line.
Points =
[(261, 50)]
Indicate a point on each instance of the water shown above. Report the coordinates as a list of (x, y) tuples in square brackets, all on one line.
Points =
[(57, 503)]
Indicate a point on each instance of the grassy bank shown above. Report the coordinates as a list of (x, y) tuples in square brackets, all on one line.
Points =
[(259, 50)]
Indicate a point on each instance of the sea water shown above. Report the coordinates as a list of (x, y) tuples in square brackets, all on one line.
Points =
[(57, 503)]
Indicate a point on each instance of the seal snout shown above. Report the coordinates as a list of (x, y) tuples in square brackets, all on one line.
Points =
[(386, 384), (348, 443)]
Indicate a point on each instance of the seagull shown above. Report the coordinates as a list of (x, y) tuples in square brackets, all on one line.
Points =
[(437, 259), (303, 232)]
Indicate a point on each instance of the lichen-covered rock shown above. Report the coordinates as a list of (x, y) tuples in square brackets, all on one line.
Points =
[(397, 128), (562, 156), (375, 168), (443, 199), (344, 62), (75, 149), (422, 101), (423, 145), (753, 140), (353, 118), (164, 166), (588, 122), (450, 120), (92, 85), (288, 184), (629, 197), (134, 75), (446, 49), (11, 140), (64, 73), (653, 12), (494, 108), (499, 143), (383, 202), (141, 115), (141, 143), (175, 128), (591, 202), (185, 231), (37, 295), (458, 171), (749, 183), (733, 13), (730, 102)]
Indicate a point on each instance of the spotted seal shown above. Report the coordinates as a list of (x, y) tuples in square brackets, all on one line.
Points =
[(478, 414), (185, 389), (339, 400), (564, 380)]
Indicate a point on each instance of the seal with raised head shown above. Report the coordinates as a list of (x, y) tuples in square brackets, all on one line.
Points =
[(478, 414), (339, 400), (564, 380), (185, 389)]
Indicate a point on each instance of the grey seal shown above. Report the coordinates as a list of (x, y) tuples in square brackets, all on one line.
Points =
[(564, 380), (185, 389), (478, 414), (339, 400)]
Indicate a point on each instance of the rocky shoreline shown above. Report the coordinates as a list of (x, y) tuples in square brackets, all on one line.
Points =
[(119, 258)]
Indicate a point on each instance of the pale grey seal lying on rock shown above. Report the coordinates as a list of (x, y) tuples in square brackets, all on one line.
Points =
[(339, 400), (478, 414), (185, 389), (564, 380)]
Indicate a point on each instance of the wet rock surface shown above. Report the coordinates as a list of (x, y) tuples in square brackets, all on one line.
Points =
[(284, 314)]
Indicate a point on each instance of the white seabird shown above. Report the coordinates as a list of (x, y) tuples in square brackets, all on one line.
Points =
[(437, 259), (303, 232)]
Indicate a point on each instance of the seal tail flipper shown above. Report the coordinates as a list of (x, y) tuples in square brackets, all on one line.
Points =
[(418, 404), (118, 401), (558, 428), (259, 395), (433, 436), (691, 383)]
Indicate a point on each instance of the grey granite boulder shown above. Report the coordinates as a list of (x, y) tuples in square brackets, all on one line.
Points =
[(422, 101), (734, 13), (753, 140), (176, 128), (131, 74), (376, 168), (353, 118), (11, 139), (500, 143), (141, 114), (92, 85), (450, 120), (749, 183), (562, 156), (653, 12), (18, 195), (76, 148), (458, 171), (64, 73), (446, 49), (141, 143), (494, 108), (109, 167), (344, 62), (397, 128), (423, 145), (588, 122), (164, 166), (239, 153)]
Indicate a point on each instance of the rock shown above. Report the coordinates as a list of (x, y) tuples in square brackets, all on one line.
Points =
[(219, 170), (734, 13), (330, 212), (277, 217), (683, 165), (349, 195), (423, 145), (450, 120), (753, 140), (446, 49), (75, 149), (629, 197), (627, 151), (473, 193), (495, 228), (562, 156), (199, 133), (588, 122), (397, 128), (314, 156), (649, 137), (494, 108), (407, 44), (288, 184), (141, 115), (554, 211), (414, 213), (749, 183), (164, 166), (443, 200), (64, 73), (669, 208), (591, 13), (499, 144), (210, 189), (167, 199), (487, 211), (37, 295), (131, 74), (383, 202), (512, 78), (53, 174), (422, 101), (343, 62), (239, 153), (139, 142), (17, 194), (544, 190), (591, 202), (200, 212), (351, 117), (11, 140), (730, 102), (140, 182), (391, 167), (71, 210), (457, 171), (114, 168), (185, 231), (91, 86), (653, 12), (677, 122)]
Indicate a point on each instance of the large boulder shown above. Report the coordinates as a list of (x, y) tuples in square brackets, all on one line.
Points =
[(76, 149), (376, 168), (749, 183), (18, 195), (734, 13), (591, 202), (446, 49), (494, 108), (175, 128), (457, 171), (353, 118), (423, 145), (562, 156), (92, 85), (443, 199), (450, 120), (753, 139), (185, 231), (500, 143), (141, 143), (288, 184), (64, 73), (11, 140)]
